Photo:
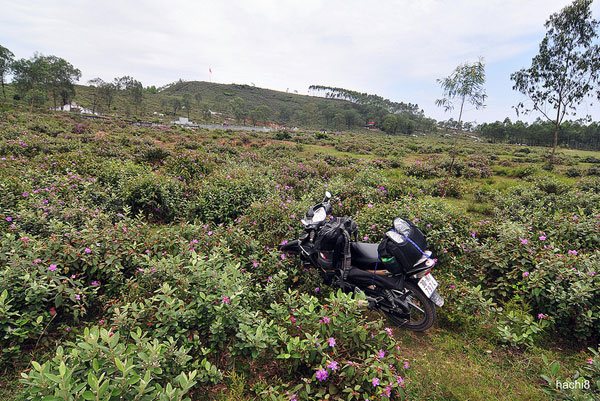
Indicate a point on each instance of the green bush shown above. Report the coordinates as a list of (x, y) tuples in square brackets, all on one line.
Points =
[(102, 365)]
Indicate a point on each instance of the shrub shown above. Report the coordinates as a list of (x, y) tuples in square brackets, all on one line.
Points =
[(103, 365)]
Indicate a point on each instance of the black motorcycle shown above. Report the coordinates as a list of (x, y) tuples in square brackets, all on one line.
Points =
[(408, 297)]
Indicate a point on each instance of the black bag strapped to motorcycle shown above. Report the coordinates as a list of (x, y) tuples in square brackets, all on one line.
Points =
[(333, 244), (402, 247)]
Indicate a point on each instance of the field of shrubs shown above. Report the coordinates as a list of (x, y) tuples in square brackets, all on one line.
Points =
[(142, 263)]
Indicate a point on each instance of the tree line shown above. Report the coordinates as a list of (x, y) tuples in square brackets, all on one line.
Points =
[(572, 134)]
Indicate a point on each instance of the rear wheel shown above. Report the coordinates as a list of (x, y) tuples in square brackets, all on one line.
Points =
[(422, 311)]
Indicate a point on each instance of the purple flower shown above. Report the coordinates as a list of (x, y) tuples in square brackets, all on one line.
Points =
[(542, 238), (87, 250), (375, 382), (370, 205), (25, 194), (452, 286), (52, 268), (95, 283), (525, 274), (326, 320), (541, 316), (322, 374), (333, 365), (473, 235), (523, 241), (210, 233), (254, 263), (573, 252), (77, 297), (331, 342), (405, 365), (389, 331), (317, 289), (381, 354), (9, 219)]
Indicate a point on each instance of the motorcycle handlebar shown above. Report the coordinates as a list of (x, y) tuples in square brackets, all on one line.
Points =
[(291, 247)]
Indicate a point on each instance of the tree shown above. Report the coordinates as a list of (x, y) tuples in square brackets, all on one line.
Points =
[(390, 124), (107, 92), (198, 97), (133, 88), (96, 83), (465, 84), (187, 103), (6, 59), (566, 69), (61, 79), (31, 78), (238, 106), (175, 103)]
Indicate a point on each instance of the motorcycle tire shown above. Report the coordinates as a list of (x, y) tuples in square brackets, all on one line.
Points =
[(422, 311)]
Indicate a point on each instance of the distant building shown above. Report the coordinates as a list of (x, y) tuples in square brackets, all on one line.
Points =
[(184, 121), (74, 107)]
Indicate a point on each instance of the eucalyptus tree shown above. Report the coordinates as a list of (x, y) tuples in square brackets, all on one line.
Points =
[(464, 85), (567, 68), (6, 59)]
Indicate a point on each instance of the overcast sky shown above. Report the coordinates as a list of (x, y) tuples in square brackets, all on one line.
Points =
[(396, 49)]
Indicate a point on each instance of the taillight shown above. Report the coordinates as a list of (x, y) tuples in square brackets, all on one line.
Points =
[(422, 273)]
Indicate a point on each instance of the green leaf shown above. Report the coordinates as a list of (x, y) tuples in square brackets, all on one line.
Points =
[(88, 395)]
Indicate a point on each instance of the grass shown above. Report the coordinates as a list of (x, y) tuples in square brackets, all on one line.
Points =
[(449, 365)]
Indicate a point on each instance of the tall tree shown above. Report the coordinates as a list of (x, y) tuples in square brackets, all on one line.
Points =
[(187, 103), (61, 79), (567, 68), (6, 59), (96, 83), (107, 92), (465, 84), (30, 77)]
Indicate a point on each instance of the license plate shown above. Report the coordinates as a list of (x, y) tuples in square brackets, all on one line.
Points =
[(428, 284)]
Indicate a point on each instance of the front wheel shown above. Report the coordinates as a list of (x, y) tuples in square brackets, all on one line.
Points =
[(422, 310)]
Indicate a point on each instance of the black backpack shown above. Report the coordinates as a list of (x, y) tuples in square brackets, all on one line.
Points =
[(333, 242), (402, 250)]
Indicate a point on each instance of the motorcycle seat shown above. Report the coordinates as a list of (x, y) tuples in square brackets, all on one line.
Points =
[(365, 256)]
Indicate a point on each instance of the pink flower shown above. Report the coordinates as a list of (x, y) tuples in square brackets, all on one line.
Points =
[(87, 250), (452, 286), (473, 235), (9, 219), (591, 361), (25, 194), (317, 289), (333, 365), (52, 268), (331, 342), (523, 241), (375, 382), (381, 354), (326, 320), (541, 316), (210, 233), (389, 331), (77, 297), (525, 274), (254, 263), (573, 252), (370, 205), (95, 283), (405, 365), (322, 374), (225, 300), (542, 238)]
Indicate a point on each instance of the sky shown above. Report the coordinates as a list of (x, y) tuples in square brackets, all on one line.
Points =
[(396, 49)]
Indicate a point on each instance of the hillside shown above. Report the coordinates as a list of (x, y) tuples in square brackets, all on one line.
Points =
[(249, 103)]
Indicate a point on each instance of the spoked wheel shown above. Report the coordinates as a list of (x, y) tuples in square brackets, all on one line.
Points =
[(422, 311)]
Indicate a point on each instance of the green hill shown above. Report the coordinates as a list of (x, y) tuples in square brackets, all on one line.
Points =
[(250, 103)]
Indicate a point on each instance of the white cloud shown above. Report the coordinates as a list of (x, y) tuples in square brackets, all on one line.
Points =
[(385, 47)]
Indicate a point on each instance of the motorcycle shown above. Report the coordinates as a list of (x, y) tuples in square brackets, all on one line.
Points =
[(407, 298)]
